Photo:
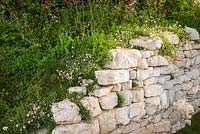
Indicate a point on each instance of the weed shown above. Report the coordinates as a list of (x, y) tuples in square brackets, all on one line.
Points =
[(120, 100)]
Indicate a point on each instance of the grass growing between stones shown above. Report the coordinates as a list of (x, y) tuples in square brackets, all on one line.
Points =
[(194, 128)]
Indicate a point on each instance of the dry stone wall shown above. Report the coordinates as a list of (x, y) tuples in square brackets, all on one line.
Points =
[(166, 96)]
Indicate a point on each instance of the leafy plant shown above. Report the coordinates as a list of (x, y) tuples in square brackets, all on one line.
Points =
[(120, 100)]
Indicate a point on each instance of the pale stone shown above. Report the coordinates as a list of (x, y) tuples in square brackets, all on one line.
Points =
[(144, 122), (176, 127), (197, 60), (164, 100), (187, 46), (121, 115), (65, 112), (147, 43), (166, 69), (163, 126), (107, 77), (92, 104), (191, 53), (107, 122), (78, 90), (150, 81), (153, 90), (144, 74), (109, 101), (188, 122), (194, 90), (147, 54), (171, 37), (193, 33), (133, 74), (156, 71), (163, 79), (157, 61), (166, 113), (142, 64), (142, 130), (157, 118), (195, 73), (129, 128), (182, 110), (168, 84), (81, 128), (127, 95), (138, 95), (116, 88), (124, 58), (171, 95), (102, 91), (178, 73), (180, 54), (151, 128), (126, 85), (187, 85), (137, 110), (152, 105), (179, 95)]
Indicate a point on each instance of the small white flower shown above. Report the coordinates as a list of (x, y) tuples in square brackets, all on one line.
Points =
[(17, 125), (5, 128)]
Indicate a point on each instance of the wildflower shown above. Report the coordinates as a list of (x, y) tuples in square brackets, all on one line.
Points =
[(17, 125), (5, 128)]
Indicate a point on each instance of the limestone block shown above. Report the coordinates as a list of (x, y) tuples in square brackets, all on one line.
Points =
[(162, 79), (127, 95), (157, 61), (194, 90), (80, 128), (163, 126), (109, 101), (193, 33), (124, 58), (142, 63), (137, 110), (150, 81), (116, 88), (144, 74), (153, 90), (171, 37), (126, 85), (129, 128), (107, 77), (122, 115), (164, 100), (78, 89), (92, 104), (65, 112), (141, 130), (187, 46), (133, 74), (152, 105), (147, 42), (107, 122), (146, 54), (191, 53), (102, 91), (138, 95), (187, 85)]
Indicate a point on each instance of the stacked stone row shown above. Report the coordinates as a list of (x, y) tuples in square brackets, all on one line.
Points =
[(167, 94)]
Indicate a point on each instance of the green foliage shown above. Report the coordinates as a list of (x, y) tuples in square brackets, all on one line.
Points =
[(120, 100), (167, 49), (194, 128), (134, 84), (76, 97)]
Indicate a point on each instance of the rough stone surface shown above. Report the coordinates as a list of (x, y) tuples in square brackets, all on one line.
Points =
[(138, 95), (142, 130), (150, 81), (126, 85), (117, 87), (147, 43), (122, 115), (152, 105), (92, 104), (109, 101), (164, 100), (81, 128), (77, 89), (65, 112), (107, 122), (163, 126), (123, 58), (137, 110), (171, 37), (158, 61), (153, 90), (107, 77), (132, 74), (193, 33), (144, 74), (142, 64), (102, 91)]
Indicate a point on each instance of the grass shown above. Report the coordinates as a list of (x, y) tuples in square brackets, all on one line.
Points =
[(194, 128)]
